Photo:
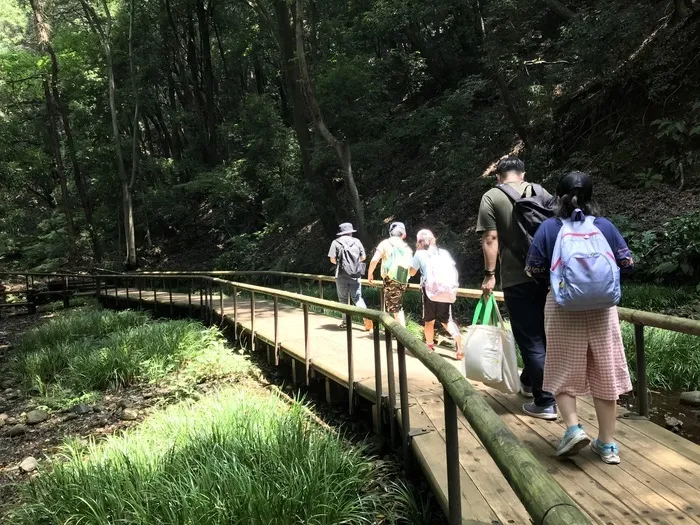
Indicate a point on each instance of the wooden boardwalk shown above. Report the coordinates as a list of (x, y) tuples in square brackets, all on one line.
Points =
[(658, 481)]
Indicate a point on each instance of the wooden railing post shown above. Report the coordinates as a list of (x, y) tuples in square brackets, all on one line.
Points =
[(642, 393), (403, 396), (307, 347), (235, 314), (140, 287), (391, 385), (378, 379), (252, 321), (189, 297), (454, 490), (170, 296), (66, 297), (351, 365), (277, 337)]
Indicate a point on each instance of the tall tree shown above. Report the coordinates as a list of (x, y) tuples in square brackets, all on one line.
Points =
[(57, 102), (341, 148), (104, 33), (496, 70)]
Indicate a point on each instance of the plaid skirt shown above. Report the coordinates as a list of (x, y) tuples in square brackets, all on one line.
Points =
[(585, 354)]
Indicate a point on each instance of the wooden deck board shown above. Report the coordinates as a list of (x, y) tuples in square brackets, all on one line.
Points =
[(657, 482)]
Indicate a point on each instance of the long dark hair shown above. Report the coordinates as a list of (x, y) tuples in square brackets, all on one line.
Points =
[(575, 191)]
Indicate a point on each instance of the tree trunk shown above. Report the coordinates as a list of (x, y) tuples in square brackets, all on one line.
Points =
[(499, 76), (560, 9), (681, 10), (197, 97), (327, 205), (104, 34), (78, 177), (209, 91), (55, 142), (342, 149)]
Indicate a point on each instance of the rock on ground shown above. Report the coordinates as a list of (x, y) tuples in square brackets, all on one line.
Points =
[(82, 409), (129, 414), (673, 424), (691, 398), (29, 464), (35, 417), (16, 430)]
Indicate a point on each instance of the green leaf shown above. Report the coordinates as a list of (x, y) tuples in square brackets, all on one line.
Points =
[(666, 267), (687, 269)]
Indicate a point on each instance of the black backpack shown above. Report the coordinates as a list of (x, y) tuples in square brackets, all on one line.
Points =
[(349, 259), (529, 211)]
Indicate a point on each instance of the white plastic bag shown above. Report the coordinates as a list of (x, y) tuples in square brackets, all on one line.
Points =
[(489, 350)]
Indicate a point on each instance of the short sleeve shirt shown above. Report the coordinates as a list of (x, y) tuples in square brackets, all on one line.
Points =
[(383, 250), (337, 248), (420, 261), (496, 213), (539, 258)]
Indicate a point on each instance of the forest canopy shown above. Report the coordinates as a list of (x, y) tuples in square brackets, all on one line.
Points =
[(239, 133)]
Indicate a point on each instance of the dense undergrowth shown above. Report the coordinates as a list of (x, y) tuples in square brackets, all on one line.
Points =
[(233, 457), (87, 350), (239, 454)]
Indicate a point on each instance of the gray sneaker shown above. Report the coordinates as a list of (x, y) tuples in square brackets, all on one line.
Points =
[(526, 391), (608, 452), (548, 413)]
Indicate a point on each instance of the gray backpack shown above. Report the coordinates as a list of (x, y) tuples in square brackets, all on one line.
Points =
[(349, 259)]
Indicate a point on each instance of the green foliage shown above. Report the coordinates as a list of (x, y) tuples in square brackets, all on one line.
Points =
[(234, 457), (678, 136), (656, 298), (95, 350), (672, 359), (671, 252)]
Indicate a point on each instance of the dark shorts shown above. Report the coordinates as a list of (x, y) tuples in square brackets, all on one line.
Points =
[(432, 311), (393, 295)]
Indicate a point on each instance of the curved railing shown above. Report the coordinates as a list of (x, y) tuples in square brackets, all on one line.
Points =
[(543, 498), (639, 318)]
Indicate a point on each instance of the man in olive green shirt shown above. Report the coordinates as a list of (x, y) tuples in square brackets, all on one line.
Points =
[(525, 298)]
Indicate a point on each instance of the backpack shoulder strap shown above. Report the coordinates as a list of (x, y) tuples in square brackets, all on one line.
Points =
[(510, 191), (536, 189)]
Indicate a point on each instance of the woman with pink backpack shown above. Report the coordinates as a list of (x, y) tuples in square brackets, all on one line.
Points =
[(582, 254), (439, 282)]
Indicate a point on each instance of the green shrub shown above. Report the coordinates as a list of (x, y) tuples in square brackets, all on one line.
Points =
[(235, 457)]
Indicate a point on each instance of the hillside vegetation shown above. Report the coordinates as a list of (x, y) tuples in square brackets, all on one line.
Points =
[(238, 134)]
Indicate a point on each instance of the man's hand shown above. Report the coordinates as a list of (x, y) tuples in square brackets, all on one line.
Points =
[(488, 285), (370, 278)]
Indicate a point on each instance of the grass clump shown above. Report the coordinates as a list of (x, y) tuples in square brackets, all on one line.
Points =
[(656, 298), (74, 325), (234, 457), (94, 350), (673, 359)]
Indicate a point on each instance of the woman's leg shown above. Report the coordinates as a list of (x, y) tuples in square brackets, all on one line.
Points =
[(453, 330), (606, 412), (429, 330), (567, 408)]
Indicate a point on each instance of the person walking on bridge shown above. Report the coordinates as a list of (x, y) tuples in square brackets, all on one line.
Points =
[(503, 239), (348, 255), (396, 257), (580, 254), (439, 284)]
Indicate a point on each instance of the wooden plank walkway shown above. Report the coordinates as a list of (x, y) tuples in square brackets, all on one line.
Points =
[(658, 481)]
